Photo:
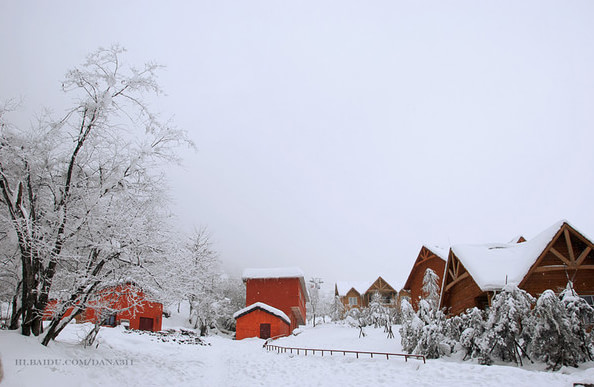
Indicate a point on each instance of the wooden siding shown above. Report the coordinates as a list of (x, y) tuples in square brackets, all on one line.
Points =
[(460, 291), (568, 256), (285, 294), (351, 293), (248, 325), (414, 284)]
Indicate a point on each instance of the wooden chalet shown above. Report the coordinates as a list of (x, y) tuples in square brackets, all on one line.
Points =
[(274, 298), (430, 257), (360, 294), (475, 273)]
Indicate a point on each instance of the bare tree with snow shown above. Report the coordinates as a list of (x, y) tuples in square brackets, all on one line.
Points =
[(81, 192)]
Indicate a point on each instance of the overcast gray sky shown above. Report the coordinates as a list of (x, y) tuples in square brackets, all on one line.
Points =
[(339, 136)]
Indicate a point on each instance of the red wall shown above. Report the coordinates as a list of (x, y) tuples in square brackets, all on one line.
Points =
[(49, 310), (120, 297), (248, 325), (280, 293)]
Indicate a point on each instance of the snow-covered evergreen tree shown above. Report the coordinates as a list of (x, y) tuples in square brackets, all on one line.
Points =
[(337, 310), (431, 341), (473, 328), (377, 314), (581, 316), (509, 314), (430, 289), (554, 341), (411, 328)]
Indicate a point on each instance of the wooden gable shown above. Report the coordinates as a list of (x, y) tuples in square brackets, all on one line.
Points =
[(426, 259), (422, 261), (459, 290), (381, 286), (569, 256)]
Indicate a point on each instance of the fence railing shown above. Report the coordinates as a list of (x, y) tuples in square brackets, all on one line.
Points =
[(298, 351)]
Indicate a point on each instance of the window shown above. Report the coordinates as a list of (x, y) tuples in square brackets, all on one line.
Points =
[(353, 301)]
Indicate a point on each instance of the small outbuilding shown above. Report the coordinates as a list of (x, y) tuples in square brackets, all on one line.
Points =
[(274, 297), (117, 304), (261, 320)]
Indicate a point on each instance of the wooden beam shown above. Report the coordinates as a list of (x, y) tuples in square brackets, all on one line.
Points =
[(542, 269), (560, 256), (583, 256), (569, 246), (452, 274), (449, 286)]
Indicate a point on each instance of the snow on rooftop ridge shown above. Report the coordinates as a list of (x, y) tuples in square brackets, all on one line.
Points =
[(438, 251), (343, 287), (275, 272), (265, 307), (493, 265)]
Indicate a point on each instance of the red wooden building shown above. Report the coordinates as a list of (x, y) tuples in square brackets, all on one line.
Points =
[(124, 303), (430, 257), (268, 292), (475, 273)]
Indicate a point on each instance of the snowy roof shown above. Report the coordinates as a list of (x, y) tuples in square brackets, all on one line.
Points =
[(343, 287), (264, 307), (276, 272), (438, 251), (517, 239), (491, 265)]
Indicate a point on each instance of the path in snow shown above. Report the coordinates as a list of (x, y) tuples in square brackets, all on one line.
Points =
[(245, 363)]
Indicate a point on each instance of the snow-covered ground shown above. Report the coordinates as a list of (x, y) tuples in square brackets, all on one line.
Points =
[(147, 361)]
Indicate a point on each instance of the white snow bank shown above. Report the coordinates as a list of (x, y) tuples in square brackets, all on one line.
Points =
[(149, 362), (264, 307)]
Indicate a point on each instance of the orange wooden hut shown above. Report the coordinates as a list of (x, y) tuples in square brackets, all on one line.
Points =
[(261, 320), (475, 273), (271, 290), (124, 303)]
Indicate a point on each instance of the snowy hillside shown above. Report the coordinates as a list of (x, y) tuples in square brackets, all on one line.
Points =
[(141, 359)]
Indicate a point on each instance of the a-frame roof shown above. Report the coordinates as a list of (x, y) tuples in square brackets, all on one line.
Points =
[(427, 252), (265, 308), (381, 284), (362, 287), (493, 265)]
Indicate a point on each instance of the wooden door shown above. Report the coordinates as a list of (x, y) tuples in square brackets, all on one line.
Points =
[(145, 324), (264, 331)]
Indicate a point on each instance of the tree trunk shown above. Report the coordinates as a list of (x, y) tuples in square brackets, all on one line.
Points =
[(15, 312), (58, 324)]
